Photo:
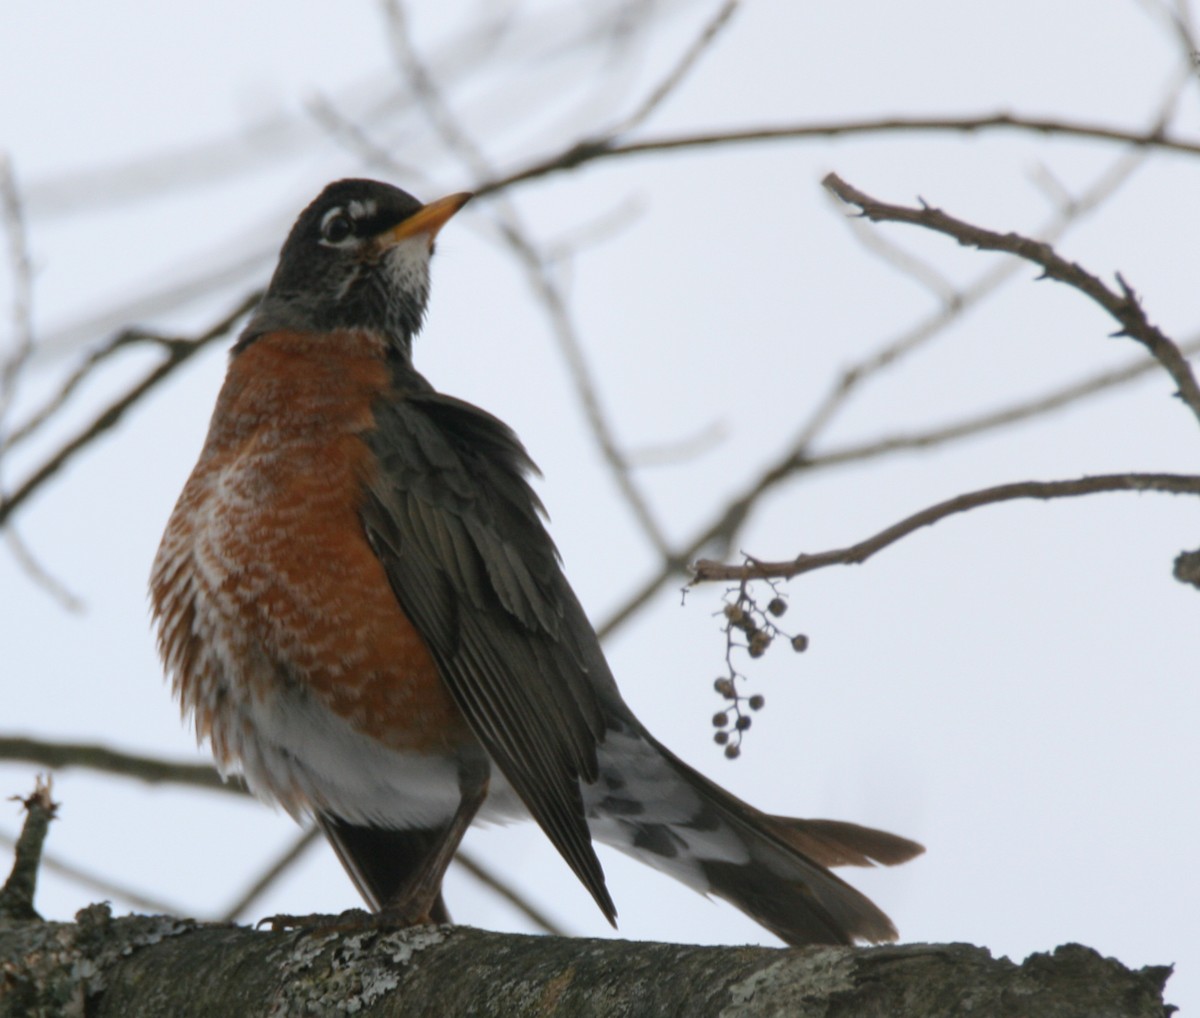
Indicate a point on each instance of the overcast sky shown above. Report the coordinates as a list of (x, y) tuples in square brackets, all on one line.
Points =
[(1014, 688)]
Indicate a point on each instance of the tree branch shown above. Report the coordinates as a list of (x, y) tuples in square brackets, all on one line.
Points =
[(265, 880), (990, 420), (594, 149), (1124, 307), (61, 755), (16, 896), (722, 530), (682, 67), (706, 571), (178, 351), (541, 280), (155, 966)]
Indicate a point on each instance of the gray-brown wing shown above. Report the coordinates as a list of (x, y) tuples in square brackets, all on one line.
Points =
[(459, 532)]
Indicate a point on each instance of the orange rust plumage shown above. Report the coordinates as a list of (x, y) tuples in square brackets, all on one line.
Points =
[(277, 491)]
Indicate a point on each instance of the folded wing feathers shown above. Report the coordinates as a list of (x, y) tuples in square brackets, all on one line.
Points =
[(465, 570)]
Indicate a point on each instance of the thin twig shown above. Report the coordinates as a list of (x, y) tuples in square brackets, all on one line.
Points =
[(1124, 306), (593, 150), (358, 140), (980, 423), (676, 75), (1178, 18), (721, 532), (678, 450), (241, 259), (178, 351), (538, 273), (22, 289), (429, 97), (706, 571), (955, 305), (904, 262), (271, 874), (571, 345), (56, 402), (67, 599), (489, 880), (13, 365), (153, 771)]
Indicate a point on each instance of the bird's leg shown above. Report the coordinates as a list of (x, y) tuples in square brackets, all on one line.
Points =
[(418, 898)]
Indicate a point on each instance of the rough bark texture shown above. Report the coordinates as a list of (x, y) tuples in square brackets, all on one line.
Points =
[(154, 965)]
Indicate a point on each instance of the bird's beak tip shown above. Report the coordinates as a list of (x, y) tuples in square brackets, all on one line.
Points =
[(428, 219)]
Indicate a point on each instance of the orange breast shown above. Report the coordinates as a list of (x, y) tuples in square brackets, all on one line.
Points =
[(267, 538)]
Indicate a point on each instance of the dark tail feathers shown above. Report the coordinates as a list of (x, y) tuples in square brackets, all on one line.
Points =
[(785, 886)]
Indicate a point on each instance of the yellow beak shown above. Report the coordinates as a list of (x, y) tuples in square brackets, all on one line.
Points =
[(427, 220)]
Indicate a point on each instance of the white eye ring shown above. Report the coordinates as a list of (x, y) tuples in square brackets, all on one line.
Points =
[(336, 227)]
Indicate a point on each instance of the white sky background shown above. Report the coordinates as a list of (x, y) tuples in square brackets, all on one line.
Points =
[(1012, 688)]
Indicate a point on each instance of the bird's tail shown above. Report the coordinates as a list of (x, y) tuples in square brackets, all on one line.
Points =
[(650, 804)]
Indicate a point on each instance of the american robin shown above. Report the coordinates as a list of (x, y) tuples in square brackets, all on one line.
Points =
[(359, 604)]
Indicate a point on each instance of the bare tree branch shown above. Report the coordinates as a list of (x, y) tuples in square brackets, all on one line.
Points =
[(498, 887), (13, 365), (1177, 17), (579, 154), (1124, 306), (16, 896), (904, 262), (178, 351), (68, 600), (956, 305), (722, 530), (153, 771), (22, 288), (593, 150), (537, 271), (142, 965), (357, 139), (676, 75), (706, 570), (274, 872), (979, 423)]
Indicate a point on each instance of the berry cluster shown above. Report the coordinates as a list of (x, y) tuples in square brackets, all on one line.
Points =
[(753, 629)]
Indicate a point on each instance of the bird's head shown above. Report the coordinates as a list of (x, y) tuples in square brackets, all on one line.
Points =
[(357, 258)]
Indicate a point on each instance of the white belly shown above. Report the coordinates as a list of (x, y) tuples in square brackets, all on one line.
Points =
[(303, 756)]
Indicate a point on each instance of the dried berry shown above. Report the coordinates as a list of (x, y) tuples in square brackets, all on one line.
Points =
[(725, 688), (732, 752), (720, 720), (757, 701), (743, 723), (720, 738), (799, 643), (734, 613), (777, 606), (759, 643)]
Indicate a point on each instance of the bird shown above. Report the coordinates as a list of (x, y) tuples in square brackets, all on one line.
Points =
[(359, 606)]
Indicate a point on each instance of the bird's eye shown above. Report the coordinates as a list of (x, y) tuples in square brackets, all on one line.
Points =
[(336, 227)]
